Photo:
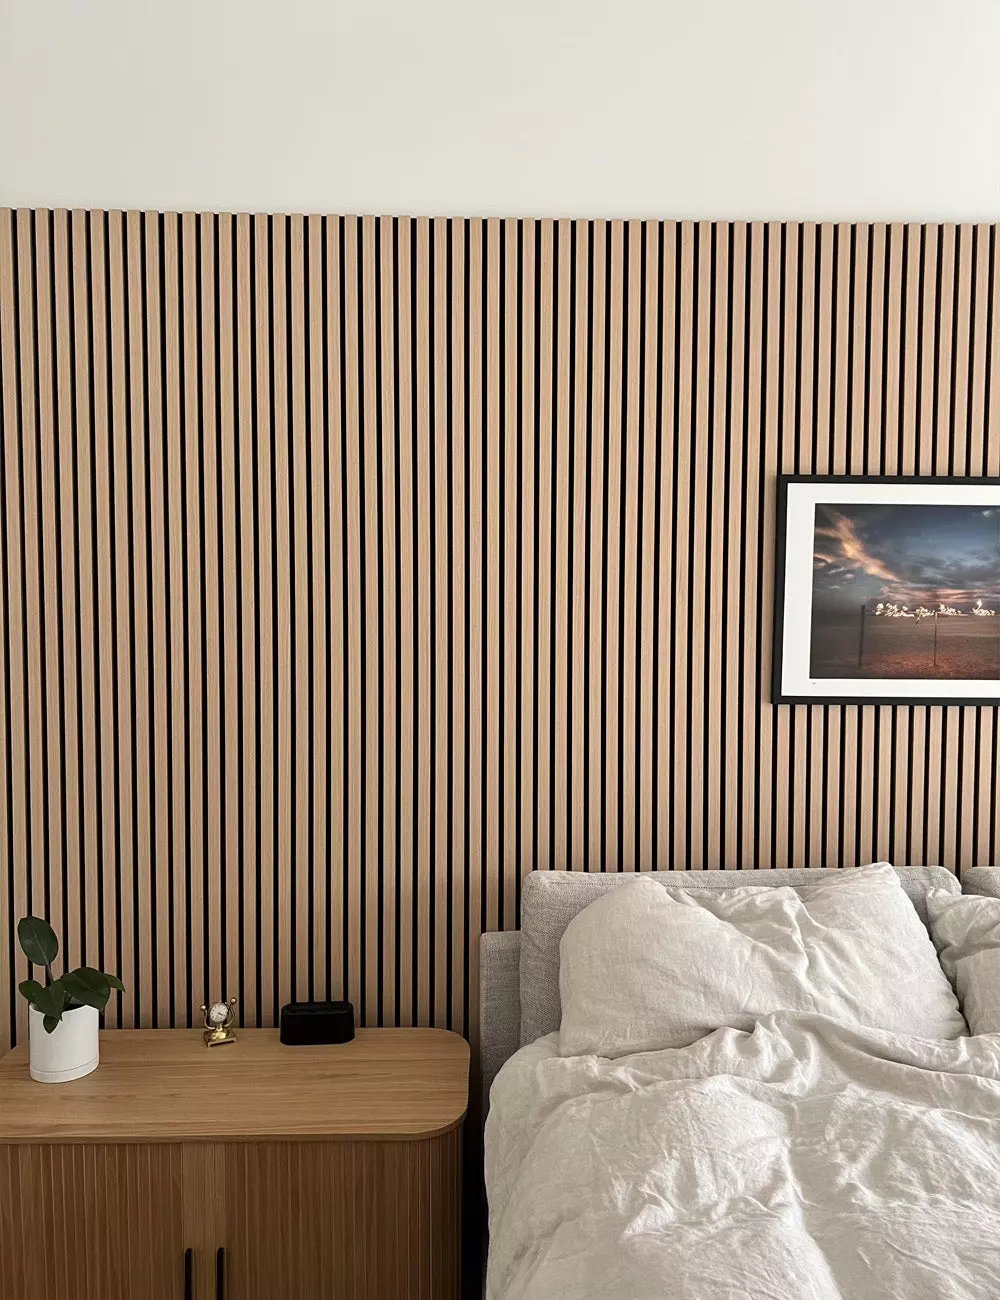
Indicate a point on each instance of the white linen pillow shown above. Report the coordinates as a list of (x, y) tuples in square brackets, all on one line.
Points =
[(645, 967), (966, 932)]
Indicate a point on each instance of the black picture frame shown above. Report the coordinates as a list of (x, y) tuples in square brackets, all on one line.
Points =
[(784, 482)]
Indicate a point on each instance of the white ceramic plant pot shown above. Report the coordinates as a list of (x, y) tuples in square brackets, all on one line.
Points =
[(69, 1052)]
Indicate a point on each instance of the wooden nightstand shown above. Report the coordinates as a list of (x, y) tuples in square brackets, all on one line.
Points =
[(245, 1172)]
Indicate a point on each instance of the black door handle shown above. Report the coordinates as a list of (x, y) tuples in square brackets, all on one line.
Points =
[(189, 1274), (220, 1274)]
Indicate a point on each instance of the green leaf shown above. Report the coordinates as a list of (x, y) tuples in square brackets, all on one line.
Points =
[(30, 989), (38, 940), (115, 982), (50, 1000), (87, 986), (50, 1023)]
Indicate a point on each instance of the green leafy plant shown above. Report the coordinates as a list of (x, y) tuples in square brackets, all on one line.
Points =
[(83, 987)]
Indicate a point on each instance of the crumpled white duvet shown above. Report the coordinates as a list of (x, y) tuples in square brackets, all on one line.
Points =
[(802, 1161)]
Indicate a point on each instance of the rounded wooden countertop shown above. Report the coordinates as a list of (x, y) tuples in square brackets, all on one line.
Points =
[(165, 1085)]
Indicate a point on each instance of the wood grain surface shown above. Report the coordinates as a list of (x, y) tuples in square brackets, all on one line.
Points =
[(96, 1222), (350, 568), (166, 1085)]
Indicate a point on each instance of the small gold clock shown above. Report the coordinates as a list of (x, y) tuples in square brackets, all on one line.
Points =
[(220, 1018)]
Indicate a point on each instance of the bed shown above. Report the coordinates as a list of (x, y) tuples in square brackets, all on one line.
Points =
[(800, 1159)]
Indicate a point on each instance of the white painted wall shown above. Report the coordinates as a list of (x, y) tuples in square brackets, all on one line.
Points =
[(719, 108)]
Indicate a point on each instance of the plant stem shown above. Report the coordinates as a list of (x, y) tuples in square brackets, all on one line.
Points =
[(48, 973)]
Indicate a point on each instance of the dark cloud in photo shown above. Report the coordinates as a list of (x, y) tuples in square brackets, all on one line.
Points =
[(909, 554)]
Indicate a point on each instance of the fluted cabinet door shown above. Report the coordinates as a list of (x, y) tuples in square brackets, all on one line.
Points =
[(92, 1222), (343, 1220)]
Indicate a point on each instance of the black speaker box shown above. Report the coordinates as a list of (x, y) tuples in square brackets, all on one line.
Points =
[(307, 1023)]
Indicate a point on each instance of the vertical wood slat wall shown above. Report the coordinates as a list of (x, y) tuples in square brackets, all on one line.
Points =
[(351, 568)]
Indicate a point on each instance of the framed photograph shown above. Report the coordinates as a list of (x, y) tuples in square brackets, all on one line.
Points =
[(888, 590)]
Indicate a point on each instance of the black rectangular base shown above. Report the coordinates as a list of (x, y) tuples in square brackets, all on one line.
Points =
[(305, 1024)]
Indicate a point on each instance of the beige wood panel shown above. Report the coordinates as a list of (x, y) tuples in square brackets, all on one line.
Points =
[(490, 587), (230, 629), (405, 587), (11, 539), (351, 568)]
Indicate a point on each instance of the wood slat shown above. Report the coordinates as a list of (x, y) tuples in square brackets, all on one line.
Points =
[(350, 568)]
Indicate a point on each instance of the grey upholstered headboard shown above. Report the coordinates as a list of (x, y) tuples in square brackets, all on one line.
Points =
[(500, 1012)]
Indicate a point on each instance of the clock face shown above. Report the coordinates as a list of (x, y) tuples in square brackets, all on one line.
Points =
[(218, 1013)]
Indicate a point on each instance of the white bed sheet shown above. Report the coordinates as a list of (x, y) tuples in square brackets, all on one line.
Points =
[(800, 1161)]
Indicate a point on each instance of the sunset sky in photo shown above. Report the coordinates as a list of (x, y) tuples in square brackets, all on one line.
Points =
[(910, 554)]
